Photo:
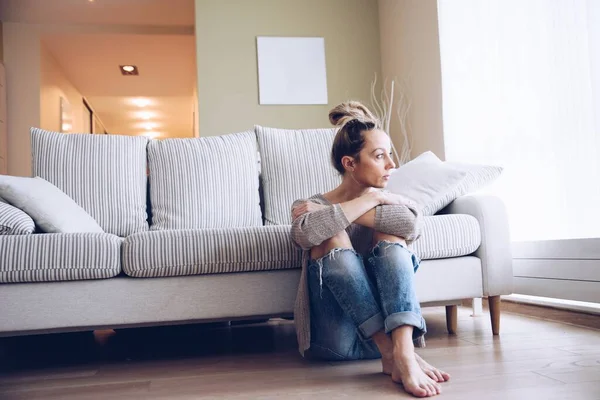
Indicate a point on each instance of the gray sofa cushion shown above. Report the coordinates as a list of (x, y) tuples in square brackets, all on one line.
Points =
[(14, 221), (104, 174), (295, 164), (445, 236), (209, 251), (59, 257), (51, 209), (204, 183)]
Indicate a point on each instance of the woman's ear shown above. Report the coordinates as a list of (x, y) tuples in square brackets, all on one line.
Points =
[(348, 163)]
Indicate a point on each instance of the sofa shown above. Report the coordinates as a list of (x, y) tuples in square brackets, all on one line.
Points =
[(197, 230)]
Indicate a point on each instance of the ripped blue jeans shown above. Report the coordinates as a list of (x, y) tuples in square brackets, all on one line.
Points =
[(352, 299)]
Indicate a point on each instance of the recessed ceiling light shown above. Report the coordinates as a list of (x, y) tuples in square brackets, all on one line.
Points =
[(129, 70), (146, 115), (141, 102)]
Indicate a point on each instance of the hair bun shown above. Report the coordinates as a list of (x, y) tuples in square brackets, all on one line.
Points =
[(349, 111)]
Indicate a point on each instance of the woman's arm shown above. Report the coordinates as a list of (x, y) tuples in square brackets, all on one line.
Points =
[(397, 216), (311, 228)]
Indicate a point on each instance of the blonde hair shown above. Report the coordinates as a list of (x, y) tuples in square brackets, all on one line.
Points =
[(352, 118)]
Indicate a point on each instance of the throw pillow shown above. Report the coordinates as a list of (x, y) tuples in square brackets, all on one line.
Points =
[(51, 209), (104, 174), (202, 183), (14, 221), (477, 176), (427, 181), (433, 184), (295, 164)]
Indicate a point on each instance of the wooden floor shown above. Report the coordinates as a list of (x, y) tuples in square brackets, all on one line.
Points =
[(532, 359)]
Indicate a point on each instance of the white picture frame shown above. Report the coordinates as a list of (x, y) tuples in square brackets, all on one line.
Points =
[(291, 70)]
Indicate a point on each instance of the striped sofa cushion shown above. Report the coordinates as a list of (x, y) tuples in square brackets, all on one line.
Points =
[(14, 221), (209, 251), (59, 257), (204, 183), (445, 236), (104, 174), (295, 164)]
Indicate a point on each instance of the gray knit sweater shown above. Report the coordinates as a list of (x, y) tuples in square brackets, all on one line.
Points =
[(311, 229)]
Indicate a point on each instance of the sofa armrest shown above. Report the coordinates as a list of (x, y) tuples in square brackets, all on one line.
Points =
[(495, 249)]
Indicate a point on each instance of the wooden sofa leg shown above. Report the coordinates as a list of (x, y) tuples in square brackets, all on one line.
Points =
[(494, 302), (451, 318)]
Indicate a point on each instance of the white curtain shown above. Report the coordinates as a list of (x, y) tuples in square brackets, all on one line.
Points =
[(521, 89)]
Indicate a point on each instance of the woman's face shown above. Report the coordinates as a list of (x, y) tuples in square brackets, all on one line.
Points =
[(375, 163)]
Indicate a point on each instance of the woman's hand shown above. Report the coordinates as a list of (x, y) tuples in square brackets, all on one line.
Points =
[(306, 207)]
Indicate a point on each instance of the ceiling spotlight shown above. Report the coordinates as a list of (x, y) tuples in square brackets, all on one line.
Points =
[(129, 70), (141, 102)]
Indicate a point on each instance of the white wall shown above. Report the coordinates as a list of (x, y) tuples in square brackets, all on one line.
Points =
[(54, 85), (410, 52)]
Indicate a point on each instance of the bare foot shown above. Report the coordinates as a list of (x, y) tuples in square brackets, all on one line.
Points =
[(387, 364), (436, 374), (408, 372)]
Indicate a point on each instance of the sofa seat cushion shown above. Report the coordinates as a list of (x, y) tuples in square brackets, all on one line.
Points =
[(59, 257), (209, 251), (445, 236)]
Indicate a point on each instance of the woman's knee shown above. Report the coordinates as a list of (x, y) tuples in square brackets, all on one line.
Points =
[(339, 241), (393, 254), (379, 236)]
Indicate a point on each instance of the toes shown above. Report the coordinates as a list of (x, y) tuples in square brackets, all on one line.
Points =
[(420, 391), (439, 376), (445, 375), (427, 390), (432, 390), (431, 374)]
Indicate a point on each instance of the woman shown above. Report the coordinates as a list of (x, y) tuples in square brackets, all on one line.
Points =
[(356, 298)]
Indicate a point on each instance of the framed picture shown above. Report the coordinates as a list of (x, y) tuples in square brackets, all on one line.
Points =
[(291, 70)]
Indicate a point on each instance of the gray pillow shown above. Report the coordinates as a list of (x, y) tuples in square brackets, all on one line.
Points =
[(51, 209), (433, 184), (201, 183), (295, 164), (105, 174), (14, 221), (427, 181)]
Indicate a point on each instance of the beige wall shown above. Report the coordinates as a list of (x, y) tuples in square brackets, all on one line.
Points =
[(54, 85), (22, 61), (1, 44), (227, 67), (410, 51)]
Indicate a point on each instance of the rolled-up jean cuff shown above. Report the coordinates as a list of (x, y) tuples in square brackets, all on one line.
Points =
[(395, 320), (371, 326)]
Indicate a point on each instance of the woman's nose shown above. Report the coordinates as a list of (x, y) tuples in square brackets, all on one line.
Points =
[(391, 164)]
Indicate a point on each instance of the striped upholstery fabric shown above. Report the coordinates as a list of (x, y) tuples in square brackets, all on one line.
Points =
[(445, 236), (209, 251), (295, 164), (59, 257), (104, 174), (14, 221), (204, 183)]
